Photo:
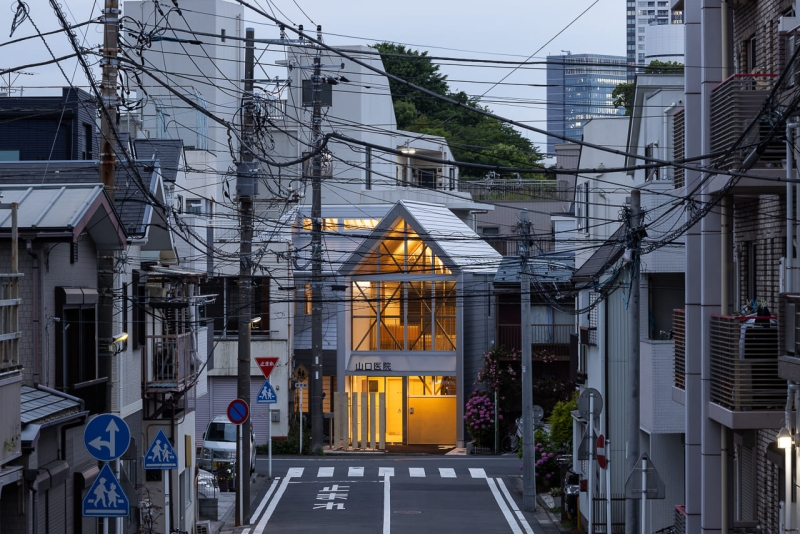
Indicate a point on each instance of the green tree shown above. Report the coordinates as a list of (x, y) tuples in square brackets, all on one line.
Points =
[(561, 423), (473, 138)]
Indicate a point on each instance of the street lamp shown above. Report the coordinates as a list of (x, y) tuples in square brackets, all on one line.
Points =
[(784, 439)]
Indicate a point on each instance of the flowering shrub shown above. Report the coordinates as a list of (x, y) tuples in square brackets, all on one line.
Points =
[(479, 416), (546, 464), (498, 369)]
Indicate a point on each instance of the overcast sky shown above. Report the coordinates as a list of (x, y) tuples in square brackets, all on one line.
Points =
[(497, 29)]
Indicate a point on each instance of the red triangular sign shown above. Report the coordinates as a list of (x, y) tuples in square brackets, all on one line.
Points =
[(266, 364)]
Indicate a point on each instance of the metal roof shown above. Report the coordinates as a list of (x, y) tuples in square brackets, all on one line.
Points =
[(135, 211), (62, 210), (455, 242), (38, 406), (166, 151)]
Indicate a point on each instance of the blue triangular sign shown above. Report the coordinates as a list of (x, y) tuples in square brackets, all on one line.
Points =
[(267, 394), (106, 498), (160, 454)]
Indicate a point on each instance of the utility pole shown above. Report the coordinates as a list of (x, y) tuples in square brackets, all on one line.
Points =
[(108, 175), (245, 189), (316, 254), (632, 256), (528, 455)]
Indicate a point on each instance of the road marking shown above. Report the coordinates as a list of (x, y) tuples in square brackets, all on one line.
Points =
[(355, 472), (325, 472), (520, 516), (263, 502), (477, 472), (246, 531), (417, 472), (386, 471), (503, 507), (447, 472), (387, 492), (293, 472)]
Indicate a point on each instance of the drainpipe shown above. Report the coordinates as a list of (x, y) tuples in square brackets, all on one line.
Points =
[(725, 231), (790, 208), (789, 510), (38, 356), (664, 122)]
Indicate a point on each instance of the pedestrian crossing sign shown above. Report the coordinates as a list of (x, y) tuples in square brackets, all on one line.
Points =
[(160, 455), (105, 497), (267, 394)]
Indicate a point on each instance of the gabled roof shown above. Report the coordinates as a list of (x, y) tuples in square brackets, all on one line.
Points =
[(605, 256), (62, 211), (454, 242), (136, 212), (168, 152)]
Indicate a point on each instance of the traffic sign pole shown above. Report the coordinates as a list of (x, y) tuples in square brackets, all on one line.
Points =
[(644, 495)]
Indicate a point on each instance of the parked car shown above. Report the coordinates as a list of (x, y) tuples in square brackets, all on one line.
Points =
[(219, 446)]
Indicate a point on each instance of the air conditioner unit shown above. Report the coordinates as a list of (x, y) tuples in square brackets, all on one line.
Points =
[(786, 24)]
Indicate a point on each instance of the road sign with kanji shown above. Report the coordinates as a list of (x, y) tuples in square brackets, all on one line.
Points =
[(266, 364)]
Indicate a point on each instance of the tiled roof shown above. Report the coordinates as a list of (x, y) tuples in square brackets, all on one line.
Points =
[(166, 151), (37, 406)]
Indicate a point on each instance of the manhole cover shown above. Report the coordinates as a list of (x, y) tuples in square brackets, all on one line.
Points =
[(407, 512)]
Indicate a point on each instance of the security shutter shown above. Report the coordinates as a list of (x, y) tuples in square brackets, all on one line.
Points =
[(202, 416), (223, 391), (748, 484)]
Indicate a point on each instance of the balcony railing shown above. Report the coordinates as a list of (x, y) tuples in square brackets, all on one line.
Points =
[(680, 519), (735, 103), (553, 337), (744, 363), (523, 189), (679, 142), (9, 321), (510, 246), (679, 337), (171, 362)]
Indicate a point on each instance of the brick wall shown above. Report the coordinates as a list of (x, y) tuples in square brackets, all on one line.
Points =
[(759, 221), (759, 20)]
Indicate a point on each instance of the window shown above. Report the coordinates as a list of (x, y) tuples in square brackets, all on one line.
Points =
[(224, 310), (87, 136), (307, 299), (368, 168), (402, 250), (751, 55), (194, 206), (582, 206), (222, 35), (413, 316), (650, 152), (665, 293), (77, 370)]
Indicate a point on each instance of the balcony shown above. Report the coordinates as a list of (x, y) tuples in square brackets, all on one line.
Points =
[(171, 363), (788, 324), (746, 390), (553, 338), (735, 103), (522, 189)]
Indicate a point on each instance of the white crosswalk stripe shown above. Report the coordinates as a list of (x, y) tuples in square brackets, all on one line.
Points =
[(447, 472), (361, 472), (355, 472), (386, 471)]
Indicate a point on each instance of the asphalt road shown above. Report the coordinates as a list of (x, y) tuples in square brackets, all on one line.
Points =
[(422, 494)]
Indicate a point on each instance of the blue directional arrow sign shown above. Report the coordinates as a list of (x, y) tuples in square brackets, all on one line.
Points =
[(107, 437), (160, 455), (105, 498), (267, 394)]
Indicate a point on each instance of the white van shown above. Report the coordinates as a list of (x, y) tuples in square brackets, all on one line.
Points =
[(219, 445)]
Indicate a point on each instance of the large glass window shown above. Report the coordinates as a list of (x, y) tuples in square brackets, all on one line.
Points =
[(396, 316), (224, 311), (402, 250)]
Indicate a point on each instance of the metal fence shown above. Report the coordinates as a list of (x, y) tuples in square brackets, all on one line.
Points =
[(599, 514), (679, 336)]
